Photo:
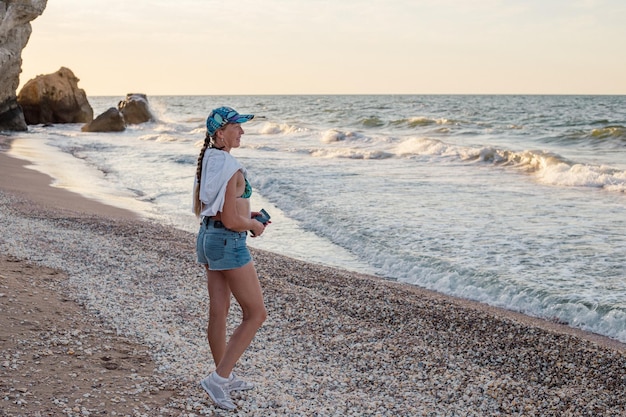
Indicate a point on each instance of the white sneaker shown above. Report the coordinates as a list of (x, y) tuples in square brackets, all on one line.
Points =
[(219, 393), (237, 384)]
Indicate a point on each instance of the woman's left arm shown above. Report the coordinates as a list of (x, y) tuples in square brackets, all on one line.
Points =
[(231, 217)]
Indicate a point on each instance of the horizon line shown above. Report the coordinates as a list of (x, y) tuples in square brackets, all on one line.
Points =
[(361, 94)]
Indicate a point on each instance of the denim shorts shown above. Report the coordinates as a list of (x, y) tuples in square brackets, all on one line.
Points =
[(221, 248)]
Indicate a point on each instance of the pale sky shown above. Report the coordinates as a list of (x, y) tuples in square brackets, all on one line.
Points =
[(245, 47)]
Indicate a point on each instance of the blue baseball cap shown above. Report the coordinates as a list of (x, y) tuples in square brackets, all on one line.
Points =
[(221, 116)]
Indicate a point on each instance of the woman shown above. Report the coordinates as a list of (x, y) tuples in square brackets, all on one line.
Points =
[(222, 200)]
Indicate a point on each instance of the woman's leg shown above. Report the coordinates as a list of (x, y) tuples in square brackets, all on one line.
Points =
[(245, 286), (219, 304)]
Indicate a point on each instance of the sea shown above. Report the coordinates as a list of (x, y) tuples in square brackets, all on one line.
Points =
[(516, 201)]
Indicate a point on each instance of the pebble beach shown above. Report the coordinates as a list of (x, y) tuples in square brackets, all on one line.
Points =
[(336, 343)]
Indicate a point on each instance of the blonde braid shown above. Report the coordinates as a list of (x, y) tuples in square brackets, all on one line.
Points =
[(197, 204)]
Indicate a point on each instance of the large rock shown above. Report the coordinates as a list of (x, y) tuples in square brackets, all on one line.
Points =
[(11, 116), (111, 120), (135, 108), (15, 30), (55, 98)]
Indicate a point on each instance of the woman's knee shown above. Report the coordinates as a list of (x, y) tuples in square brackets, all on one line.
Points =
[(262, 316), (257, 316)]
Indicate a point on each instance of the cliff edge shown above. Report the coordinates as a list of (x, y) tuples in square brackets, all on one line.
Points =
[(15, 30)]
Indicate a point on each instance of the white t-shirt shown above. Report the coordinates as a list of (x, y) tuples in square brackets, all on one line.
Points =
[(218, 167)]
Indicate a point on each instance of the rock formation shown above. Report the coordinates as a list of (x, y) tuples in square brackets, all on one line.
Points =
[(135, 108), (15, 30), (55, 98), (111, 120)]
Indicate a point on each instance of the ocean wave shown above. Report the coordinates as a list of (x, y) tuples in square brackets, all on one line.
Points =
[(581, 175), (372, 121), (184, 159), (269, 128), (351, 153), (530, 161), (426, 146), (553, 169), (160, 137), (199, 131), (609, 132), (609, 135), (335, 135), (195, 120), (413, 122), (265, 148), (548, 167), (422, 121)]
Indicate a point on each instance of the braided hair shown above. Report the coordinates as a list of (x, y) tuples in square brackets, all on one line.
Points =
[(209, 142)]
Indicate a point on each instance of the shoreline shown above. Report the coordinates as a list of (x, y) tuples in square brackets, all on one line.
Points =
[(449, 354), (40, 190), (28, 183)]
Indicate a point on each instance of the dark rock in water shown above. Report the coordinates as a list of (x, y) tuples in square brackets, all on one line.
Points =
[(111, 120), (11, 116), (135, 109)]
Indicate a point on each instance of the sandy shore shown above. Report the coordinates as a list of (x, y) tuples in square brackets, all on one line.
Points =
[(103, 313)]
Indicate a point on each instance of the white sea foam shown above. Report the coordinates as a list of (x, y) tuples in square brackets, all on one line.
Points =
[(579, 175), (333, 135), (426, 146), (276, 128)]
